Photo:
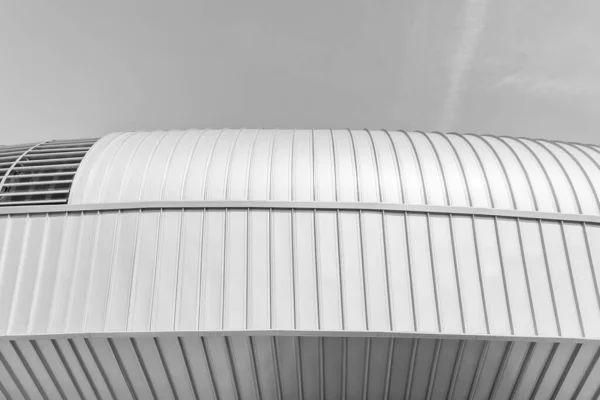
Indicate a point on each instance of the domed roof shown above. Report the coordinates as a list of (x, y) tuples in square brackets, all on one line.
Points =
[(372, 166)]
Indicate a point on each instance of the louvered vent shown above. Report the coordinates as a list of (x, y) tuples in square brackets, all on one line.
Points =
[(40, 173)]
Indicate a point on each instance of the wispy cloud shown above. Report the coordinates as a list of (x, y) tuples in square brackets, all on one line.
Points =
[(474, 21)]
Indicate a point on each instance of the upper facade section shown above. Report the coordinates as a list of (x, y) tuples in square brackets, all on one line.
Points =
[(374, 166), (40, 173)]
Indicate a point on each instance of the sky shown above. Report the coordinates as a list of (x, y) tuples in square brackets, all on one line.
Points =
[(73, 69)]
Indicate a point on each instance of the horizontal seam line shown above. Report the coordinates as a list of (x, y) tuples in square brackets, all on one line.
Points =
[(301, 205)]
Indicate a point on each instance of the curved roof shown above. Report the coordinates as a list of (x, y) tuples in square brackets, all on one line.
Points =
[(40, 173), (342, 165)]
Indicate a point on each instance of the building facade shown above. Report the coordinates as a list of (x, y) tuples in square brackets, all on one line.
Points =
[(300, 264)]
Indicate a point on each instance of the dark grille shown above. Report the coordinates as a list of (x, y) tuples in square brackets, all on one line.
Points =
[(40, 173)]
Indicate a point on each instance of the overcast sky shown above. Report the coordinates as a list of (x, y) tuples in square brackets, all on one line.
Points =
[(72, 69)]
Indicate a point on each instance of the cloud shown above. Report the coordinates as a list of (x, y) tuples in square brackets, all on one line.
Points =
[(474, 23)]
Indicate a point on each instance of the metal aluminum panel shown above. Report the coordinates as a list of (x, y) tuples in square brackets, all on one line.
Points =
[(341, 165), (295, 367), (283, 269)]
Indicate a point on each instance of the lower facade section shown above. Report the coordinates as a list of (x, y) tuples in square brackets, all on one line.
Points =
[(260, 366)]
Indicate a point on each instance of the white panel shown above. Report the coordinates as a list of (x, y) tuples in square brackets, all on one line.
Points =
[(36, 237), (376, 274), (324, 168), (126, 252), (101, 270), (307, 311), (517, 280), (562, 280), (259, 300), (282, 271), (281, 184), (136, 174), (144, 270), (164, 289), (475, 178), (328, 272), (86, 167), (355, 314), (368, 174), (424, 280), (434, 182), (412, 185), (188, 284), (41, 295), (541, 187), (588, 163), (211, 281), (157, 168), (260, 166), (236, 270), (89, 187), (492, 276), (515, 174), (218, 171), (196, 179), (562, 187), (499, 185), (303, 173), (583, 189), (13, 249), (113, 178), (74, 268), (584, 279), (389, 176), (239, 167), (473, 308), (347, 189), (456, 185), (178, 167), (541, 291), (446, 271), (400, 272)]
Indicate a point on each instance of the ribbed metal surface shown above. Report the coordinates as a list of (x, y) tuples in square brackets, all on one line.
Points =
[(298, 270), (287, 256), (342, 165), (40, 173), (291, 367)]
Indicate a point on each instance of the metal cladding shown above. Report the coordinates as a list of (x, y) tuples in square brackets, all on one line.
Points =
[(40, 173), (300, 263)]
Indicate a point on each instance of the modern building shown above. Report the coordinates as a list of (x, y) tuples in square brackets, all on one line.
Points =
[(299, 264)]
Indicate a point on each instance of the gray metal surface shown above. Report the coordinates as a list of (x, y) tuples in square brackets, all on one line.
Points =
[(40, 173), (306, 264), (291, 367), (342, 165), (149, 271)]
